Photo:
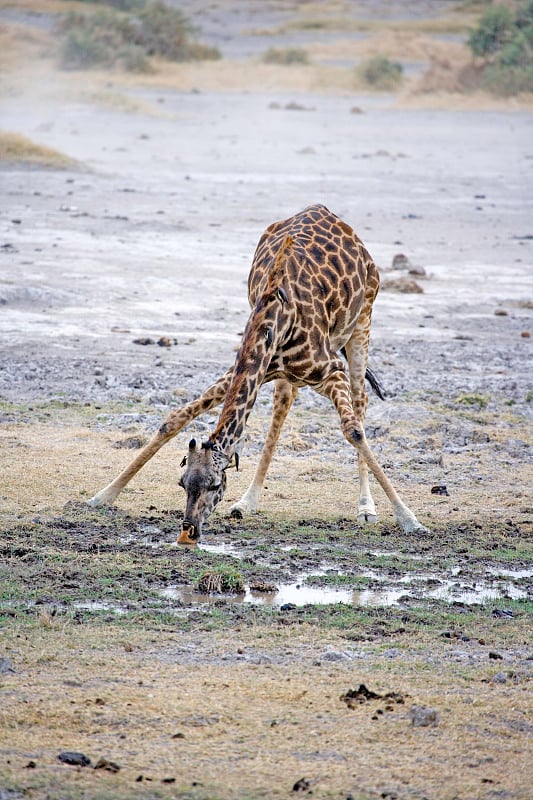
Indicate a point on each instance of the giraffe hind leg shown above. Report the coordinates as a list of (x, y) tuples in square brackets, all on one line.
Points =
[(284, 396), (356, 352), (337, 388), (173, 424)]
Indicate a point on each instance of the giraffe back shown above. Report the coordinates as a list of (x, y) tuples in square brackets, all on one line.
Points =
[(327, 277)]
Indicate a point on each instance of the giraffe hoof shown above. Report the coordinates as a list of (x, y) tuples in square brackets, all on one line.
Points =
[(236, 513), (367, 517)]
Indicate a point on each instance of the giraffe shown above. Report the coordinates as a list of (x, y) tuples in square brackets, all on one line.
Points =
[(311, 290)]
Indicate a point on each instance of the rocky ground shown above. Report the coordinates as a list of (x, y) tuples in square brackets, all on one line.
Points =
[(123, 294)]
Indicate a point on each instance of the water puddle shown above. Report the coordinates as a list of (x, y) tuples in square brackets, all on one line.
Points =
[(97, 605), (299, 593)]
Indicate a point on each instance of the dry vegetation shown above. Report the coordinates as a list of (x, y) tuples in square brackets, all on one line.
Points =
[(18, 149)]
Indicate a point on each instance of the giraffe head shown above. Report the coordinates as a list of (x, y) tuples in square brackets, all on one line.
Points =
[(204, 480)]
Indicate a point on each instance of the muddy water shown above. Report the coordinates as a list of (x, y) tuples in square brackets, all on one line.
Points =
[(299, 591)]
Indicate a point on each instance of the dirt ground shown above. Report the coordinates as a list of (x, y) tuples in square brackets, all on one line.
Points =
[(147, 230)]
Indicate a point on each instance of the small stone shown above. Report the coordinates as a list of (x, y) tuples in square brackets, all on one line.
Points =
[(302, 785), (495, 656), (400, 261), (525, 334), (501, 312), (500, 677), (441, 489), (144, 340), (402, 285), (424, 717), (74, 759), (109, 766)]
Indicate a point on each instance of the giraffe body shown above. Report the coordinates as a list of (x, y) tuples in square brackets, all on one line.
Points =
[(311, 289)]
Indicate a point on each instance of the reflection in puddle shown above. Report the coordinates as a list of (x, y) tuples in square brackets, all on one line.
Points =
[(222, 549), (299, 593), (97, 605)]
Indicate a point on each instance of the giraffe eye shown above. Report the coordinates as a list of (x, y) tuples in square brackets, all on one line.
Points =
[(269, 336), (213, 487)]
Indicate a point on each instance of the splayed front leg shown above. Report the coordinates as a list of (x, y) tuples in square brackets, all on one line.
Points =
[(173, 424), (284, 396)]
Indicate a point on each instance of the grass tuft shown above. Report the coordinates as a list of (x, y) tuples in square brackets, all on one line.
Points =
[(18, 149)]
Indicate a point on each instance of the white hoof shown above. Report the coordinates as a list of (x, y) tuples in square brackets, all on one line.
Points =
[(238, 510), (103, 498), (367, 517)]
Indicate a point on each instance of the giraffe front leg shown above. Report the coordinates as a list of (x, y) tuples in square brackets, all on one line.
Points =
[(173, 424), (284, 396), (336, 387)]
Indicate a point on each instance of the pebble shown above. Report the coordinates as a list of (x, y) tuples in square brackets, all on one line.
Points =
[(424, 717)]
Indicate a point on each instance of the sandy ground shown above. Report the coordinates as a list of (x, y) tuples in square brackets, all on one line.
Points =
[(150, 233)]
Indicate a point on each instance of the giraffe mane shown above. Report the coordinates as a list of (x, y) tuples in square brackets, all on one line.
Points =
[(273, 287)]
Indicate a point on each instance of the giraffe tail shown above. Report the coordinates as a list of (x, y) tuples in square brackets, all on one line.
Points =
[(373, 380)]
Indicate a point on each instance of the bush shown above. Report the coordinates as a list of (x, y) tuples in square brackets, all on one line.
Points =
[(504, 40), (492, 31), (107, 38), (379, 72), (287, 56)]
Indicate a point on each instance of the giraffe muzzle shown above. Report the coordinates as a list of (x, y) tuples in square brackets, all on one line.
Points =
[(188, 533)]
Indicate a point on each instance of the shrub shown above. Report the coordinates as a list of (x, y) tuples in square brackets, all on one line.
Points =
[(107, 38), (379, 72), (504, 40), (492, 31), (287, 56)]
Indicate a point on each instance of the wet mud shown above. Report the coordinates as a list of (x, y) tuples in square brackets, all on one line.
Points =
[(89, 561)]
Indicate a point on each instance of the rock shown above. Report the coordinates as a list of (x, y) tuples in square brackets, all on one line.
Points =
[(144, 340), (336, 655), (423, 717), (440, 490), (74, 759), (525, 334), (501, 312), (400, 261), (109, 766), (131, 443), (402, 285), (500, 677), (302, 785)]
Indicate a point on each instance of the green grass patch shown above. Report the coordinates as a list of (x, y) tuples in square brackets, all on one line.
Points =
[(379, 72), (128, 38)]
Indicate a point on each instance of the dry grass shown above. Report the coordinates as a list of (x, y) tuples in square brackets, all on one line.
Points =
[(18, 149), (48, 464), (244, 730)]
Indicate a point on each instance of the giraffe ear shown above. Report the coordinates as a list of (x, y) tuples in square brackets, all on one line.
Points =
[(192, 444)]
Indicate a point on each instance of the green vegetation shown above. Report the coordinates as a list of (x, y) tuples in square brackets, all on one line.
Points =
[(127, 36), (473, 399), (223, 579), (503, 39), (379, 72), (285, 56)]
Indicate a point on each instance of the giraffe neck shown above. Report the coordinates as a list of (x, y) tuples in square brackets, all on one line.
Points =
[(250, 369)]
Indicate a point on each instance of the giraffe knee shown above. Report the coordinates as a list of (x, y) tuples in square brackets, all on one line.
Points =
[(353, 432)]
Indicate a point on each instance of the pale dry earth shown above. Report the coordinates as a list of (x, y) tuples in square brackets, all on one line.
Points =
[(151, 233)]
